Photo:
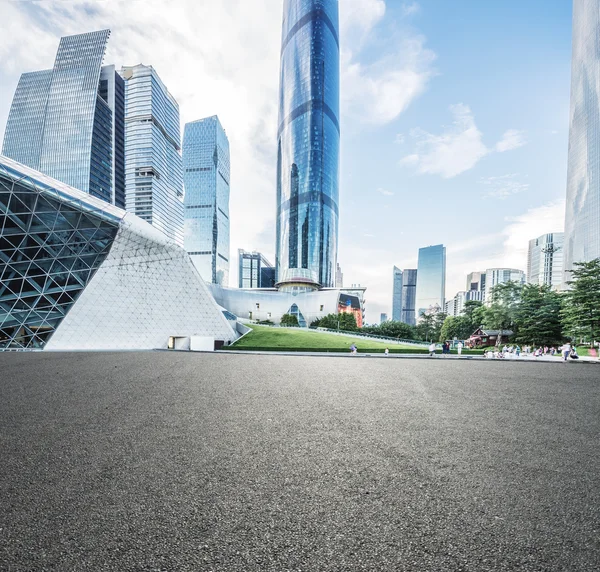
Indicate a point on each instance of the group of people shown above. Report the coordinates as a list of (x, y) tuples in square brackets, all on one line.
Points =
[(567, 351)]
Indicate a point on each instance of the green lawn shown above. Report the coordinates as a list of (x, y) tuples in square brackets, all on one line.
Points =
[(283, 339)]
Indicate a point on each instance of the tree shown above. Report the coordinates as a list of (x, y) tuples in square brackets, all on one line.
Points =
[(392, 329), (430, 325), (288, 320), (581, 312), (474, 311), (537, 317), (500, 314), (342, 321), (459, 327)]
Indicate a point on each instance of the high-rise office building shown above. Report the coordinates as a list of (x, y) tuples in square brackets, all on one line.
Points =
[(545, 260), (409, 296), (308, 142), (431, 279), (582, 220), (67, 122), (206, 175), (339, 276), (383, 318), (456, 305), (153, 168), (397, 295), (495, 276), (476, 281), (255, 271)]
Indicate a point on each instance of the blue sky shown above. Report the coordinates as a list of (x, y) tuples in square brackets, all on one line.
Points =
[(454, 115)]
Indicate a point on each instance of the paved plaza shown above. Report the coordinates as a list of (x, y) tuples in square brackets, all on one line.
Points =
[(176, 461)]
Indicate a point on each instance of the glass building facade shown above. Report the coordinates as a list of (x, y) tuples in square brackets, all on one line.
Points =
[(495, 276), (308, 140), (431, 279), (67, 122), (50, 248), (397, 295), (255, 271), (153, 164), (545, 260), (409, 296), (206, 175), (582, 220)]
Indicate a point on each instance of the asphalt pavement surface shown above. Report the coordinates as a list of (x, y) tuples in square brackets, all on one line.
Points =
[(158, 461)]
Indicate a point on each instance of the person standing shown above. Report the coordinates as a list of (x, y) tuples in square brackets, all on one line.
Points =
[(387, 352), (432, 349), (566, 350), (459, 348)]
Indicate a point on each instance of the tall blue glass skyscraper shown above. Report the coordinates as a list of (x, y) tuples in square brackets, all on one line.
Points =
[(409, 296), (206, 176), (582, 221), (431, 279), (308, 142), (397, 295), (67, 122), (153, 165)]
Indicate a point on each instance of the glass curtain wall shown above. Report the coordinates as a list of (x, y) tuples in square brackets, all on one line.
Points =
[(308, 140)]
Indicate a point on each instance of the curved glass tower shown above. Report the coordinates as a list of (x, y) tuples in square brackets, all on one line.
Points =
[(582, 221), (308, 142)]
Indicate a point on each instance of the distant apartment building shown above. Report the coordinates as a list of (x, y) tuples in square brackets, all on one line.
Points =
[(476, 281), (495, 276), (431, 279), (383, 318), (339, 276), (255, 271), (545, 260), (409, 296), (153, 167), (68, 122), (455, 306), (206, 174), (397, 295)]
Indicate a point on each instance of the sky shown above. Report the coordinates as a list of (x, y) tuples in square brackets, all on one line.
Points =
[(454, 116)]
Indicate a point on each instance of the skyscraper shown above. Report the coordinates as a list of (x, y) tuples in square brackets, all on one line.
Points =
[(582, 220), (476, 281), (431, 279), (153, 168), (206, 176), (397, 295), (409, 296), (545, 260), (308, 141), (255, 271), (383, 318), (67, 122), (495, 276)]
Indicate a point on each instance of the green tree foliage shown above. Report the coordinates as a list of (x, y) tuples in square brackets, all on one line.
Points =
[(581, 312), (460, 327), (500, 314), (474, 311), (392, 329), (537, 316), (342, 321), (429, 326), (288, 320)]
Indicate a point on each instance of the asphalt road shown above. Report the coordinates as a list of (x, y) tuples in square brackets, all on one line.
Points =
[(177, 461)]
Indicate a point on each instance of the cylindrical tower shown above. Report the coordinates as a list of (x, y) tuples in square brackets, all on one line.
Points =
[(308, 141)]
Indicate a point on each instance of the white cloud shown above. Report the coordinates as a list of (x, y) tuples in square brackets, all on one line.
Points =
[(400, 139), (385, 192), (454, 151), (410, 8), (512, 139), (379, 90), (507, 248), (458, 148), (503, 186)]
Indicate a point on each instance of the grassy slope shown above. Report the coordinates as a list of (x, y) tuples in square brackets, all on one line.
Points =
[(264, 337)]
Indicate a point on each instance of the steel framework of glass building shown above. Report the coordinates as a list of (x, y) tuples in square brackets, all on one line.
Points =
[(431, 279), (582, 219), (308, 140), (67, 122), (206, 175), (79, 273)]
